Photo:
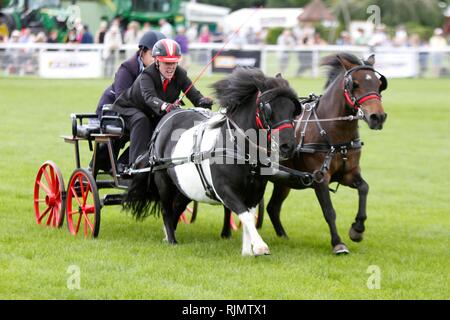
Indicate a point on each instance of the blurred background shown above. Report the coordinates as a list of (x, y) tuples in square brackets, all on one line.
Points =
[(83, 42), (89, 39)]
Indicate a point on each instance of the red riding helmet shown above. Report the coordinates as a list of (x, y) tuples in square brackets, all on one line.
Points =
[(166, 50)]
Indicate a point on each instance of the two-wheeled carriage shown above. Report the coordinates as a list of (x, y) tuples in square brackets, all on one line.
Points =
[(80, 201)]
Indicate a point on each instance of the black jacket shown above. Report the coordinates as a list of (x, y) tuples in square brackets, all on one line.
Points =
[(147, 95), (124, 78)]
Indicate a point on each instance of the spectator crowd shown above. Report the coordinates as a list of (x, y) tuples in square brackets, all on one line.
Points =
[(114, 35)]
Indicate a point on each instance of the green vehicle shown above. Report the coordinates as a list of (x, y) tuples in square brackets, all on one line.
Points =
[(37, 15), (177, 12), (148, 10)]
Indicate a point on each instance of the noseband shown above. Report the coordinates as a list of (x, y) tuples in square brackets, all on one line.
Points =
[(355, 102)]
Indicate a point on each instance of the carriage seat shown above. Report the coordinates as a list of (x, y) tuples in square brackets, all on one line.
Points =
[(113, 125), (84, 130), (110, 123)]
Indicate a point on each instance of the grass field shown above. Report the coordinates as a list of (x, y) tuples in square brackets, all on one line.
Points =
[(408, 226)]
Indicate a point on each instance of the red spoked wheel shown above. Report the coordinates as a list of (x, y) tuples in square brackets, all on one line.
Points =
[(191, 210), (49, 195), (83, 204), (259, 217)]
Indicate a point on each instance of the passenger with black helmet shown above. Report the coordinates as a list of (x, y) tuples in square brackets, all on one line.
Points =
[(126, 74), (130, 69), (155, 93)]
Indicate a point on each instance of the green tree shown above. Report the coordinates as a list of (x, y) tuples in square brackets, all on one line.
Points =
[(396, 12), (427, 13)]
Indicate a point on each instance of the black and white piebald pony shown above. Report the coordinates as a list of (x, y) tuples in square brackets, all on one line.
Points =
[(190, 157)]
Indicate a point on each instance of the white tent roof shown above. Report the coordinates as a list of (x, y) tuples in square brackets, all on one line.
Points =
[(199, 12), (447, 12), (262, 18)]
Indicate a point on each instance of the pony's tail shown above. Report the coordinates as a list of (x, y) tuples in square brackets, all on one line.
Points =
[(142, 198)]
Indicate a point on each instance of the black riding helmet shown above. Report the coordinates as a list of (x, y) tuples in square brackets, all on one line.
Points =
[(149, 39)]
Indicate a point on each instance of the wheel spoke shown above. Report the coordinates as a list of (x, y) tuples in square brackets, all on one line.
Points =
[(90, 224), (53, 179), (85, 226), (50, 216), (39, 200), (58, 213), (55, 216), (75, 195), (232, 224), (43, 215), (57, 186), (47, 178), (86, 220), (183, 218), (78, 224), (80, 181), (86, 194), (46, 189), (71, 212)]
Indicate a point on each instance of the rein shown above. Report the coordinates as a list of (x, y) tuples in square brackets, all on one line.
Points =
[(197, 157), (311, 103)]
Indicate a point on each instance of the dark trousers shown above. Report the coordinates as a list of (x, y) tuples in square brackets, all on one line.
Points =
[(102, 159), (141, 130)]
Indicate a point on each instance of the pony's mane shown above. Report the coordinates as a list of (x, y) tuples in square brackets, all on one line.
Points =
[(243, 85), (335, 66)]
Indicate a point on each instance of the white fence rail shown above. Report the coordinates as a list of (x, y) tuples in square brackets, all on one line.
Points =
[(94, 61)]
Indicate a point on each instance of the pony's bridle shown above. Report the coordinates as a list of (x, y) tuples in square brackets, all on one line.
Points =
[(355, 102), (264, 112)]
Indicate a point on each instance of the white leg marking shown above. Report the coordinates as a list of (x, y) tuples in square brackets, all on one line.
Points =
[(166, 238), (248, 219), (246, 242)]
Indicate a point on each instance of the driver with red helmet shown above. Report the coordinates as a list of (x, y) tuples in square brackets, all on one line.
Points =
[(155, 93)]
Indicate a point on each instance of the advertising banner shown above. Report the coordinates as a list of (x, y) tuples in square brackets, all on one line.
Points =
[(228, 60), (70, 64)]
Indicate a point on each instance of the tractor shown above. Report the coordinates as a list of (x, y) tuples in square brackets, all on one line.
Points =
[(37, 15)]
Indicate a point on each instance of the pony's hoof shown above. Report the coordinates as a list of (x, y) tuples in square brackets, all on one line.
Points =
[(355, 235), (246, 253), (340, 249), (171, 243), (261, 251), (282, 235)]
